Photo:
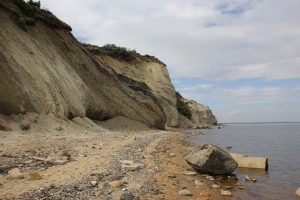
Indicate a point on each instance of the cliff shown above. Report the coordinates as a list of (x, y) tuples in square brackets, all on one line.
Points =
[(145, 69), (44, 69)]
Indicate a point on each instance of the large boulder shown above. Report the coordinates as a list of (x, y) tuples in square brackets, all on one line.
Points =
[(210, 159)]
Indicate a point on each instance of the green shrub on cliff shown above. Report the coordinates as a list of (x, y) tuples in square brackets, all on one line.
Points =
[(114, 51), (182, 107), (28, 13)]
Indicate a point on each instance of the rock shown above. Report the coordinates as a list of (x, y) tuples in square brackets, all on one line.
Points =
[(247, 178), (205, 194), (127, 196), (298, 192), (226, 193), (32, 176), (198, 183), (215, 186), (14, 174), (228, 187), (172, 155), (93, 183), (132, 167), (64, 153), (126, 162), (241, 187), (60, 162), (185, 192), (250, 162), (211, 159), (115, 184), (189, 173)]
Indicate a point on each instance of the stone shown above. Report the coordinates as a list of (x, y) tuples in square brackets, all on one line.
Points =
[(133, 167), (298, 192), (15, 174), (126, 162), (172, 155), (241, 187), (60, 162), (189, 173), (215, 186), (226, 193), (93, 183), (205, 194), (198, 183), (211, 159), (228, 187), (127, 196), (32, 176), (115, 184), (185, 192), (247, 178)]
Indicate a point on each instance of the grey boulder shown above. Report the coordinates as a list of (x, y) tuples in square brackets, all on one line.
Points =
[(210, 159)]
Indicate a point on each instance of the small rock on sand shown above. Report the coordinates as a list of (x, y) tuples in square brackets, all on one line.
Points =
[(204, 194), (189, 173), (126, 162), (15, 174), (226, 193), (215, 186), (32, 176), (185, 192), (93, 183), (247, 178), (298, 192), (60, 162), (115, 184), (198, 183), (127, 196), (172, 155), (133, 167)]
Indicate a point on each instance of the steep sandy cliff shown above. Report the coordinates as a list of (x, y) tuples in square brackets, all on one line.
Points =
[(44, 69), (153, 73)]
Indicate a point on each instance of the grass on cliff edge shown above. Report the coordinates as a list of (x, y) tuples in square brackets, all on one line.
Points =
[(121, 53), (114, 51), (28, 13), (182, 107)]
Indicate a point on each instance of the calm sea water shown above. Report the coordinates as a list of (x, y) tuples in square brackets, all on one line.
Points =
[(280, 142)]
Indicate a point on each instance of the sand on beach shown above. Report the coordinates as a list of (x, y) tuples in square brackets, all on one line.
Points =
[(94, 161)]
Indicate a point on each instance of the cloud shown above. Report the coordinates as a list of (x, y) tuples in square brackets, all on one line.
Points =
[(217, 42)]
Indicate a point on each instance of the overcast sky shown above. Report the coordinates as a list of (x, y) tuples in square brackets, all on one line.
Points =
[(241, 58)]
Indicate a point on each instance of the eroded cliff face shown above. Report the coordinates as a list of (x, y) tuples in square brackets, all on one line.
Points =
[(154, 74), (201, 115), (45, 70)]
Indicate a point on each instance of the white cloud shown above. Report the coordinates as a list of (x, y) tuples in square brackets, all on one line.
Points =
[(214, 40), (218, 39)]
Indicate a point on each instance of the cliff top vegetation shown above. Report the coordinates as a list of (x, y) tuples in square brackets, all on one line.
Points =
[(28, 13)]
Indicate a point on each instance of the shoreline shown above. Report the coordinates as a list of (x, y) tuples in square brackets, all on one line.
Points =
[(93, 169)]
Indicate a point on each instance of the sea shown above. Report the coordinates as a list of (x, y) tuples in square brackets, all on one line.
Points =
[(279, 142)]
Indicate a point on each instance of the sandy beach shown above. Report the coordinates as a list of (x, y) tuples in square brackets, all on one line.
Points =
[(82, 162)]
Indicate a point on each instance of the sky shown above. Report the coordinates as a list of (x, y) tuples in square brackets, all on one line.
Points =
[(239, 57)]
